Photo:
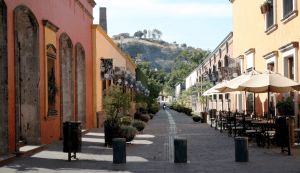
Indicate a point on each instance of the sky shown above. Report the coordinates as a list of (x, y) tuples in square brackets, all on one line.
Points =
[(198, 23)]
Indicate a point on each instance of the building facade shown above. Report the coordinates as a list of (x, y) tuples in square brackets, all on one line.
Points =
[(46, 70), (268, 41), (105, 48), (217, 67)]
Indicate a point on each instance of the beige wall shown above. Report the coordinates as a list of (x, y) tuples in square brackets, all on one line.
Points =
[(105, 48), (249, 27)]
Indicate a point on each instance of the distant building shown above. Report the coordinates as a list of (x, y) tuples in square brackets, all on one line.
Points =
[(179, 87)]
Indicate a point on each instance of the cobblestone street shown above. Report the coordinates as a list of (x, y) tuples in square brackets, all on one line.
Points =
[(152, 151)]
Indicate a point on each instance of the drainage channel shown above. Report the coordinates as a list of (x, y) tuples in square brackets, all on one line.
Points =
[(172, 135)]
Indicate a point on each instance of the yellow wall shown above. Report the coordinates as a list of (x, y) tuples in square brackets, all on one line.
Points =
[(249, 27), (105, 48), (50, 38)]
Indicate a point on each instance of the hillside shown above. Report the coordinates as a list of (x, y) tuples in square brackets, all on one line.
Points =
[(159, 54)]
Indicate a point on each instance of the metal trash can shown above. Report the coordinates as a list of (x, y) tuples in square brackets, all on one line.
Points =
[(180, 150), (72, 137), (241, 149), (281, 131), (119, 150)]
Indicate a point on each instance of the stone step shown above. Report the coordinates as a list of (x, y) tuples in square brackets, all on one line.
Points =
[(28, 149), (21, 143), (84, 131), (7, 158)]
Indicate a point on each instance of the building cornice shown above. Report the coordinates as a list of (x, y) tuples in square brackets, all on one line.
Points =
[(251, 50), (270, 55), (228, 37), (84, 9), (241, 57), (289, 46), (131, 61), (50, 25), (92, 3)]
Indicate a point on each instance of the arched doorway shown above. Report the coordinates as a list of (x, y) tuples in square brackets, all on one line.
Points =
[(3, 80), (27, 77), (66, 79), (80, 84)]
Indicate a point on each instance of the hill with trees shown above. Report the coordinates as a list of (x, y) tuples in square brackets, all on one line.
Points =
[(147, 46)]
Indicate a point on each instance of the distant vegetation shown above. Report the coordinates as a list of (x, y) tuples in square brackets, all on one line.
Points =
[(148, 46)]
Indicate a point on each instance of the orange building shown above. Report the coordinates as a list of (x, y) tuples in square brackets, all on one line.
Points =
[(46, 70)]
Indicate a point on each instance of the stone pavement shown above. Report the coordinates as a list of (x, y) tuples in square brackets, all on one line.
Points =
[(152, 151)]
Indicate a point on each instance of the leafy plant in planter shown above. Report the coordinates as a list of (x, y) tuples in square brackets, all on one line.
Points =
[(114, 101), (285, 107), (145, 117), (139, 125), (196, 118), (267, 6), (126, 120), (128, 132), (151, 116)]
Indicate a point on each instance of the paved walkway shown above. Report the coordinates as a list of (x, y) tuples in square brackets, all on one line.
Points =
[(208, 151)]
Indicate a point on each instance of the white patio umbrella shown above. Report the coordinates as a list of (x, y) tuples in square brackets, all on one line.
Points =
[(214, 90), (233, 84), (268, 82)]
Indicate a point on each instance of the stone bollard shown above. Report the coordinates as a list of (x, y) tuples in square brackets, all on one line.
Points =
[(180, 150), (119, 150), (241, 149)]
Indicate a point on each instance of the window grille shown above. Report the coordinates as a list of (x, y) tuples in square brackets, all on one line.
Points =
[(287, 7)]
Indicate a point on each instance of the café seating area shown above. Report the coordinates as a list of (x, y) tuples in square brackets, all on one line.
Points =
[(261, 129)]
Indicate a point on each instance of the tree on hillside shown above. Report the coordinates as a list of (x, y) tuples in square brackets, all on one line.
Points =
[(125, 35), (154, 35), (156, 79), (158, 33), (183, 45), (140, 57), (149, 33), (187, 61), (138, 34), (145, 33)]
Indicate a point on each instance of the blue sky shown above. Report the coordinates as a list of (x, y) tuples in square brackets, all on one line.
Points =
[(198, 23)]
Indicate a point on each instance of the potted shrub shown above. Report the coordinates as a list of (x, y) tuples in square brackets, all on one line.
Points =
[(151, 116), (262, 8), (267, 6), (145, 118), (196, 118), (114, 101), (126, 120), (285, 107), (139, 125), (127, 132)]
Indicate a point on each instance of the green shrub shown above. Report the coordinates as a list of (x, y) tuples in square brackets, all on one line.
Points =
[(139, 125), (125, 120), (127, 132)]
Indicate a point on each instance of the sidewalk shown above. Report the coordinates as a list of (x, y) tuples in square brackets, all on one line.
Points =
[(208, 151)]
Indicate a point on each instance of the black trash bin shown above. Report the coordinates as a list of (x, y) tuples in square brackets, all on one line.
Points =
[(72, 137), (282, 133), (241, 149)]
